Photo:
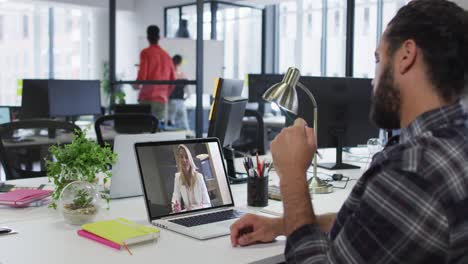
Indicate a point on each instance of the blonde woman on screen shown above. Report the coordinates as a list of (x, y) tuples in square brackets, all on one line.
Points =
[(189, 185)]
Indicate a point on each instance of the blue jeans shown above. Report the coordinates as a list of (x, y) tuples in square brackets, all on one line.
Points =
[(178, 114)]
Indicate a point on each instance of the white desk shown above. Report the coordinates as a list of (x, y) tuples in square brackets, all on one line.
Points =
[(44, 237)]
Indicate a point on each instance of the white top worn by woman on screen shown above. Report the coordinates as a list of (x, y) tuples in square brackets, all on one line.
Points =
[(189, 185)]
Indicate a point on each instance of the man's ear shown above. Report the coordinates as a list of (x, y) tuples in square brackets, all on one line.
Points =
[(406, 56)]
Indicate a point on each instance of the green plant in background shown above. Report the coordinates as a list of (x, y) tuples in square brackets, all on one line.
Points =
[(118, 96), (82, 200), (80, 160), (105, 82)]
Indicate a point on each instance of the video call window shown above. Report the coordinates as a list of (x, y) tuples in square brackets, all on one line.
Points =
[(180, 178)]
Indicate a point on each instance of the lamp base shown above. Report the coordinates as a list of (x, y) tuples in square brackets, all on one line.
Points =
[(320, 187)]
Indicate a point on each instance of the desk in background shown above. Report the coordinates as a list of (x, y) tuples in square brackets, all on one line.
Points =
[(43, 237)]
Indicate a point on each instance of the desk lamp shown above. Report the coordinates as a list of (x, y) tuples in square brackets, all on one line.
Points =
[(284, 95)]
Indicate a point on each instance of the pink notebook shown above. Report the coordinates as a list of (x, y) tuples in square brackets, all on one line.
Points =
[(99, 239), (23, 197)]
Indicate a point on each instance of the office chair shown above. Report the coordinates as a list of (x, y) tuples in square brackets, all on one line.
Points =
[(22, 147), (131, 123)]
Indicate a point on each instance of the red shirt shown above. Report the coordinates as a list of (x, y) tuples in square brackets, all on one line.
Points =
[(155, 64)]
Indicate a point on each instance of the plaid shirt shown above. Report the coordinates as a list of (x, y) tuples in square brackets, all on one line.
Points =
[(410, 206)]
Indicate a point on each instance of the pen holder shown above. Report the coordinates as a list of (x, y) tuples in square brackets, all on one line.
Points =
[(257, 191)]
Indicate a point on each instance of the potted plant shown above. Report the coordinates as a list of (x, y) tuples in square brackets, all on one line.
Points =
[(82, 160)]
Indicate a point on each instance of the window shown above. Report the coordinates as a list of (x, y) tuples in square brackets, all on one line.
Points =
[(189, 13), (365, 38), (390, 8), (2, 22), (337, 22), (25, 26), (19, 63), (367, 34), (172, 22), (321, 24), (309, 28), (250, 42), (312, 43), (73, 46), (238, 26), (288, 42), (366, 22), (336, 41), (26, 53)]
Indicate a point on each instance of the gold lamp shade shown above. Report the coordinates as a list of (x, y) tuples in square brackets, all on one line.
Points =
[(284, 93)]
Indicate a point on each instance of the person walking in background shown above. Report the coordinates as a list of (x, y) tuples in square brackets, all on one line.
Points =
[(177, 111), (155, 64)]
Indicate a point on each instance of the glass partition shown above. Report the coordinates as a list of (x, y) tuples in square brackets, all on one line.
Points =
[(238, 26)]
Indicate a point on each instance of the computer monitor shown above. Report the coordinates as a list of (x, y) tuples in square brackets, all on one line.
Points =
[(223, 88), (226, 115), (71, 98), (5, 115), (259, 83), (343, 110), (343, 114), (60, 98), (35, 99), (227, 129), (228, 126)]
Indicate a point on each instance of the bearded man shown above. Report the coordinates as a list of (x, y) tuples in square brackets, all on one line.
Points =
[(411, 205)]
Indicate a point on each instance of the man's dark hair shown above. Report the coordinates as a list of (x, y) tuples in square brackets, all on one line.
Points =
[(152, 33), (177, 59), (440, 30)]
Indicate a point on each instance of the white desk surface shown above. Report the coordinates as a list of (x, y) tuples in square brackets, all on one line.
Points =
[(43, 236)]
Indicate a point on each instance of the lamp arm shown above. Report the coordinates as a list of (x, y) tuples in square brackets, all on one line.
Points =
[(309, 93), (312, 98)]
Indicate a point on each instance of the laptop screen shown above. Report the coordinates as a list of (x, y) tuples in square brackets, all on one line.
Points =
[(5, 116), (182, 176)]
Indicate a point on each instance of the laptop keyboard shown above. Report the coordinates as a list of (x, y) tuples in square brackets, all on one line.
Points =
[(207, 218)]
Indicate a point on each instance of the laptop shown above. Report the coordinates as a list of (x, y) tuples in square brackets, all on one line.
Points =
[(125, 181), (202, 210)]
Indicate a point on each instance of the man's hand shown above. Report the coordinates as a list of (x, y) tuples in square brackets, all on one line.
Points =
[(254, 228), (293, 150)]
